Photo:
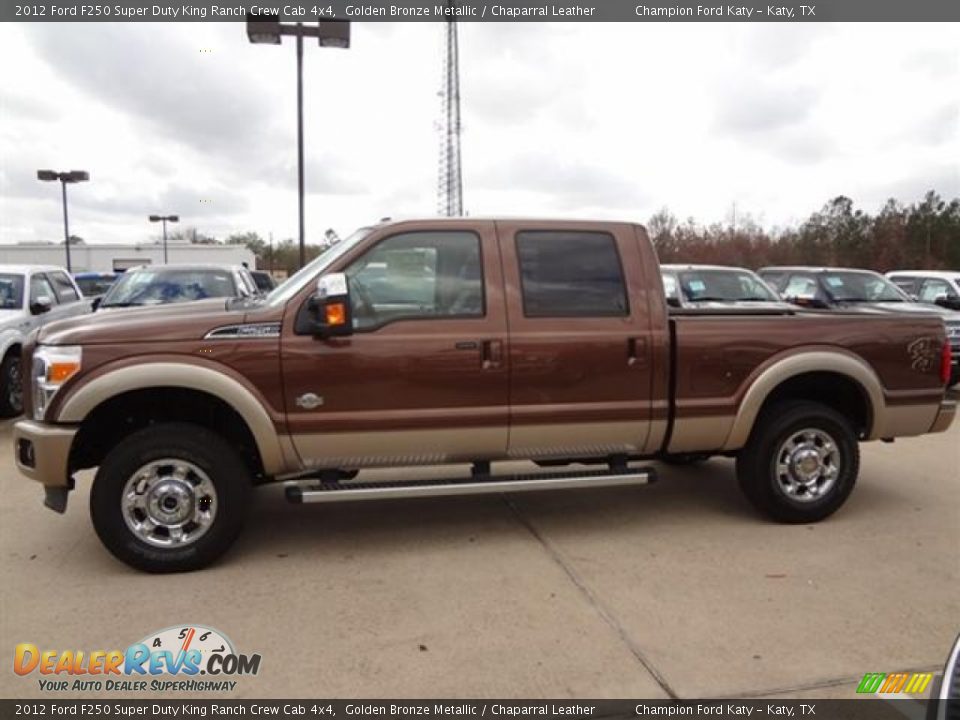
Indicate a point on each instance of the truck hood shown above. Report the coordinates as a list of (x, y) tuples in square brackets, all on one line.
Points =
[(178, 321)]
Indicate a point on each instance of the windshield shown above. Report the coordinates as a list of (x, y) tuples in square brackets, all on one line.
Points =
[(724, 286), (292, 285), (11, 291), (162, 286), (861, 287)]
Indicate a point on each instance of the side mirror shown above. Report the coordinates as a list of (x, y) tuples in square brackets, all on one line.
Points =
[(41, 305), (95, 303), (331, 307), (673, 301)]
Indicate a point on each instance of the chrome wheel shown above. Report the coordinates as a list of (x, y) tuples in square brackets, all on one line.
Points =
[(807, 465), (169, 503)]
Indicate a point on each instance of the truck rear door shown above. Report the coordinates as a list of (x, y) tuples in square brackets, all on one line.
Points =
[(581, 339)]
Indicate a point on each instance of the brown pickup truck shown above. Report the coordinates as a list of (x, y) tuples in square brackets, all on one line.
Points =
[(458, 341)]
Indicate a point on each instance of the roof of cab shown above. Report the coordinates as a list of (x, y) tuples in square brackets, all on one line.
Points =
[(23, 269)]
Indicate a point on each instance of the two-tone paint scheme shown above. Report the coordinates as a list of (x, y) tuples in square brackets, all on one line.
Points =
[(495, 387)]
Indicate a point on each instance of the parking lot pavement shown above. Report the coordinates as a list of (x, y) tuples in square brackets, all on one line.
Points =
[(675, 588)]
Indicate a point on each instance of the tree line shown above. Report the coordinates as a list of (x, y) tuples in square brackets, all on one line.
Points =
[(922, 235)]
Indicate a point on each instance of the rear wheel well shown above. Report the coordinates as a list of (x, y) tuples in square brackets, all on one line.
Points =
[(839, 392), (113, 420)]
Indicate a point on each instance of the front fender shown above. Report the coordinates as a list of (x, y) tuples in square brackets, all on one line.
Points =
[(86, 396)]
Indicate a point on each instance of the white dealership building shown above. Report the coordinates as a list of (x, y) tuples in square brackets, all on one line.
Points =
[(114, 257)]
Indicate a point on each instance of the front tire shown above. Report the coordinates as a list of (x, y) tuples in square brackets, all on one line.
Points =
[(800, 463), (171, 497), (11, 386)]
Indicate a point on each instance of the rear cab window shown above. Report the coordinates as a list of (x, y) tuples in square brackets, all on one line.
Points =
[(571, 274)]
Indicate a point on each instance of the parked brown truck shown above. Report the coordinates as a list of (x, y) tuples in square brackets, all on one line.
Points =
[(458, 341)]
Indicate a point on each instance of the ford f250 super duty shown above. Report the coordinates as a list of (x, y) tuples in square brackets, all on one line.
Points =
[(458, 341)]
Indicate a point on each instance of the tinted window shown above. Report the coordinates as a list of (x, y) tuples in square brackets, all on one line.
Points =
[(417, 276), (65, 290), (11, 291), (571, 274), (40, 287), (264, 282)]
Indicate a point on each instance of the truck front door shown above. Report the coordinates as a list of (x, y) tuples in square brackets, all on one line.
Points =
[(423, 379)]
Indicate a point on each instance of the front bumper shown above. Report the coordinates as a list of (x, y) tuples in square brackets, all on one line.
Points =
[(948, 409), (42, 453)]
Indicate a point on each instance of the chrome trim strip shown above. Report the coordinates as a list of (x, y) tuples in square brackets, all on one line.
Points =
[(254, 331), (486, 487)]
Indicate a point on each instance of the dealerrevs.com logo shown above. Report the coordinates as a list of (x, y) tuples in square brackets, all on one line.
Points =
[(181, 652)]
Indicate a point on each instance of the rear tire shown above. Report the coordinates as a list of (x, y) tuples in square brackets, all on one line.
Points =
[(11, 386), (171, 497), (800, 463)]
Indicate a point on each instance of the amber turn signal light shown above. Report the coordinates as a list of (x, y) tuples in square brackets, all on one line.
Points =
[(58, 372), (336, 314)]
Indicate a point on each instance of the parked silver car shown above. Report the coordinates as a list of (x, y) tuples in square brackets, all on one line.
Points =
[(30, 296), (717, 286)]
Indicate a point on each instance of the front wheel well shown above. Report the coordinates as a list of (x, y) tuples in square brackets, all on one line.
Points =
[(113, 420), (839, 392)]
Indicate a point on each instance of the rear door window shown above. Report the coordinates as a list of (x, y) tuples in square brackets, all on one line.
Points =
[(571, 274)]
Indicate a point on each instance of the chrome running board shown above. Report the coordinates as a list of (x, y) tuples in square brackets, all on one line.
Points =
[(344, 492)]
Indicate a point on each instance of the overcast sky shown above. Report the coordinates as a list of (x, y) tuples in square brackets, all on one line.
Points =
[(589, 120)]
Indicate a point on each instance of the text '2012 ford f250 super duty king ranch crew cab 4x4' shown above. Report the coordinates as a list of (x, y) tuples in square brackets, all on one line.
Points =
[(458, 341)]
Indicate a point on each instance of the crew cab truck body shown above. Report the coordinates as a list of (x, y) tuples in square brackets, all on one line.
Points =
[(457, 341)]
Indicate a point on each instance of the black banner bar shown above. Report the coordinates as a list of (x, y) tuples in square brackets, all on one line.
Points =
[(855, 709), (483, 11)]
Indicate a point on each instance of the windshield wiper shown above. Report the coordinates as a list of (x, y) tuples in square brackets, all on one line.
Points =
[(119, 304), (708, 298)]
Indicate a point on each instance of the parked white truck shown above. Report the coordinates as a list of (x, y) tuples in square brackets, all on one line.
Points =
[(30, 296)]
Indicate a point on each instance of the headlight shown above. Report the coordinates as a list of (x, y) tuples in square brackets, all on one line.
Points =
[(53, 365)]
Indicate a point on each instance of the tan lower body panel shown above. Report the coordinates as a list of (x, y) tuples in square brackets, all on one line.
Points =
[(51, 451), (400, 447), (905, 420), (945, 415), (563, 440), (698, 434)]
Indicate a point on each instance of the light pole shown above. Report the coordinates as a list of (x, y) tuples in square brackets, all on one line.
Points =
[(268, 30), (74, 176), (164, 219)]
